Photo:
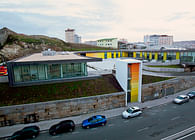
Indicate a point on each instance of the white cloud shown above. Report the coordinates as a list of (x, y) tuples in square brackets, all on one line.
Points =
[(112, 18)]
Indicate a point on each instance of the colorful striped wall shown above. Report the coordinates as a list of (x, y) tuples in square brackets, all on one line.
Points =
[(134, 84), (106, 55)]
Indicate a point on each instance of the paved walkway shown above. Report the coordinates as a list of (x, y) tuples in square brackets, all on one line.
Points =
[(45, 125)]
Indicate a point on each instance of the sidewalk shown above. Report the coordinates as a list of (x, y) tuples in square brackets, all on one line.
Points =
[(45, 125)]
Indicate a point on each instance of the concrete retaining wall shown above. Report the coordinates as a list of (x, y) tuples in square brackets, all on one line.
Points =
[(64, 108), (164, 88), (166, 63), (163, 69)]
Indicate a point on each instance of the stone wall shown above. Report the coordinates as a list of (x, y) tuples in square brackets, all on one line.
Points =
[(63, 108), (164, 88)]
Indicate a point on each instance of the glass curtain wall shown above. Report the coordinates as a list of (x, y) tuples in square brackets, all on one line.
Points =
[(25, 73)]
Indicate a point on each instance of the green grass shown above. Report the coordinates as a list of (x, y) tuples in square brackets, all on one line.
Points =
[(168, 66), (67, 90), (146, 79)]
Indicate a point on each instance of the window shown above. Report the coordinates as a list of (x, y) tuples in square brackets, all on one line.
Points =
[(54, 71)]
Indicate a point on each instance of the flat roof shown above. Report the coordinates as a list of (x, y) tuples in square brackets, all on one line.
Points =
[(130, 60), (59, 56)]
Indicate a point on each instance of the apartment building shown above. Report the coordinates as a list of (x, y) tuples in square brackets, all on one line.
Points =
[(158, 40)]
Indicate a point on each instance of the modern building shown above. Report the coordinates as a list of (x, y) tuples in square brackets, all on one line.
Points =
[(94, 43), (77, 38), (69, 35), (108, 42), (158, 40), (129, 76), (48, 67)]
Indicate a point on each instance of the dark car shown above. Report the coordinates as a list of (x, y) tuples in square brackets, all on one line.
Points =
[(26, 133), (191, 94), (61, 127), (94, 121)]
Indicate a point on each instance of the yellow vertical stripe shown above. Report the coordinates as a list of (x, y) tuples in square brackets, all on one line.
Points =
[(140, 54), (134, 54), (177, 55), (164, 56), (114, 54), (145, 55), (150, 55), (156, 56), (109, 55)]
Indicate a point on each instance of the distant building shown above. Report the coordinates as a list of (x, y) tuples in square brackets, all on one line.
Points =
[(158, 40), (77, 38), (108, 42), (71, 37), (94, 43)]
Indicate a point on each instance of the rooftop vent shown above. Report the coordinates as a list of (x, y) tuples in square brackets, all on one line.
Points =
[(64, 53), (48, 53)]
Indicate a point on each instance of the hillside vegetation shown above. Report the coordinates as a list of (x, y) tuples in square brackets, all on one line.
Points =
[(14, 45)]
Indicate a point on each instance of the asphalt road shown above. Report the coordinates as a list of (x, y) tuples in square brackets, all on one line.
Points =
[(154, 124)]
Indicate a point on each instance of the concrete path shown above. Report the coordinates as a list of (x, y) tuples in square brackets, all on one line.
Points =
[(45, 125)]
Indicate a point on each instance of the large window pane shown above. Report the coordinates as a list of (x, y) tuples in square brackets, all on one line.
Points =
[(54, 71), (26, 76), (33, 72), (17, 74), (41, 72)]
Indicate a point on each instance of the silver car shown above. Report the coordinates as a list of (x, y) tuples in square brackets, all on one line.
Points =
[(181, 99), (131, 112)]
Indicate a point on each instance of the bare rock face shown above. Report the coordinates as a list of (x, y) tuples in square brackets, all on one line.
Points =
[(3, 36)]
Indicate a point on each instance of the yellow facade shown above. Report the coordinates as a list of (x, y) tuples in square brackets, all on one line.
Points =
[(164, 56), (145, 55), (150, 55), (177, 55), (140, 54), (119, 54), (156, 56), (124, 54), (134, 54)]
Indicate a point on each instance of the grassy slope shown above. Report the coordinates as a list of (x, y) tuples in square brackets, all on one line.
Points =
[(67, 90), (146, 79)]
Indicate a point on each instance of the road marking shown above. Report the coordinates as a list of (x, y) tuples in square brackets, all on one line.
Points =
[(142, 129), (55, 137), (111, 125), (176, 135), (186, 136), (126, 121), (94, 129), (75, 132), (175, 118)]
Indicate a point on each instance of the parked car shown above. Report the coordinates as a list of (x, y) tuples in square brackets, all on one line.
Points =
[(61, 127), (26, 133), (132, 112), (191, 94), (94, 121), (181, 99)]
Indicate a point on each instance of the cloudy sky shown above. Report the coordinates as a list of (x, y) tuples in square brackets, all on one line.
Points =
[(95, 19)]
